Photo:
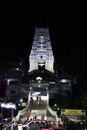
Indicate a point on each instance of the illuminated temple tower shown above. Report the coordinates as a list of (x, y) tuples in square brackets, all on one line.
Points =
[(40, 80), (41, 59), (41, 53)]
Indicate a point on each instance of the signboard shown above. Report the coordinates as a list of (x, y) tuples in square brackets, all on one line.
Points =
[(73, 112), (24, 104)]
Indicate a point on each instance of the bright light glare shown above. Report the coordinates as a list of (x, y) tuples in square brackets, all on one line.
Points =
[(63, 80), (21, 100), (8, 105)]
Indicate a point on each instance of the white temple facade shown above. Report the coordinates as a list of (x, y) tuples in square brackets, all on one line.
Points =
[(41, 54)]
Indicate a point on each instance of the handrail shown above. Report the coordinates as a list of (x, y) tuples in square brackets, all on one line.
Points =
[(21, 112), (54, 113)]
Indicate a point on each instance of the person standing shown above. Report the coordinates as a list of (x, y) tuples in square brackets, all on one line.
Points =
[(12, 126)]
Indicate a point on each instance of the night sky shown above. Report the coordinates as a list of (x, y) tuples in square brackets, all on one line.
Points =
[(67, 33)]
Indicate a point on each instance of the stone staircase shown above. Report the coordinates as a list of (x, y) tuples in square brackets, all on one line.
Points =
[(39, 111)]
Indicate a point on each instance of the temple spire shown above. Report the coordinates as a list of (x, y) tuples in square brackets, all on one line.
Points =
[(41, 52)]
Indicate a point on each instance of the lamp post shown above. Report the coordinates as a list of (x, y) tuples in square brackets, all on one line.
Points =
[(2, 106), (13, 107)]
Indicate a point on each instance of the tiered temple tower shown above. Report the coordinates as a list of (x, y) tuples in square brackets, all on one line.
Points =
[(41, 58), (43, 82), (41, 53)]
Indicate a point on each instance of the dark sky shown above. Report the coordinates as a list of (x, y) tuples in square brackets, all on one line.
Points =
[(67, 32)]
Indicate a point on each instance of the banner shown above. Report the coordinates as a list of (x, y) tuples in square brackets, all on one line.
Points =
[(71, 112)]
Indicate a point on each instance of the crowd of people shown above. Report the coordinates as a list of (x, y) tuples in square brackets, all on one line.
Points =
[(13, 125)]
